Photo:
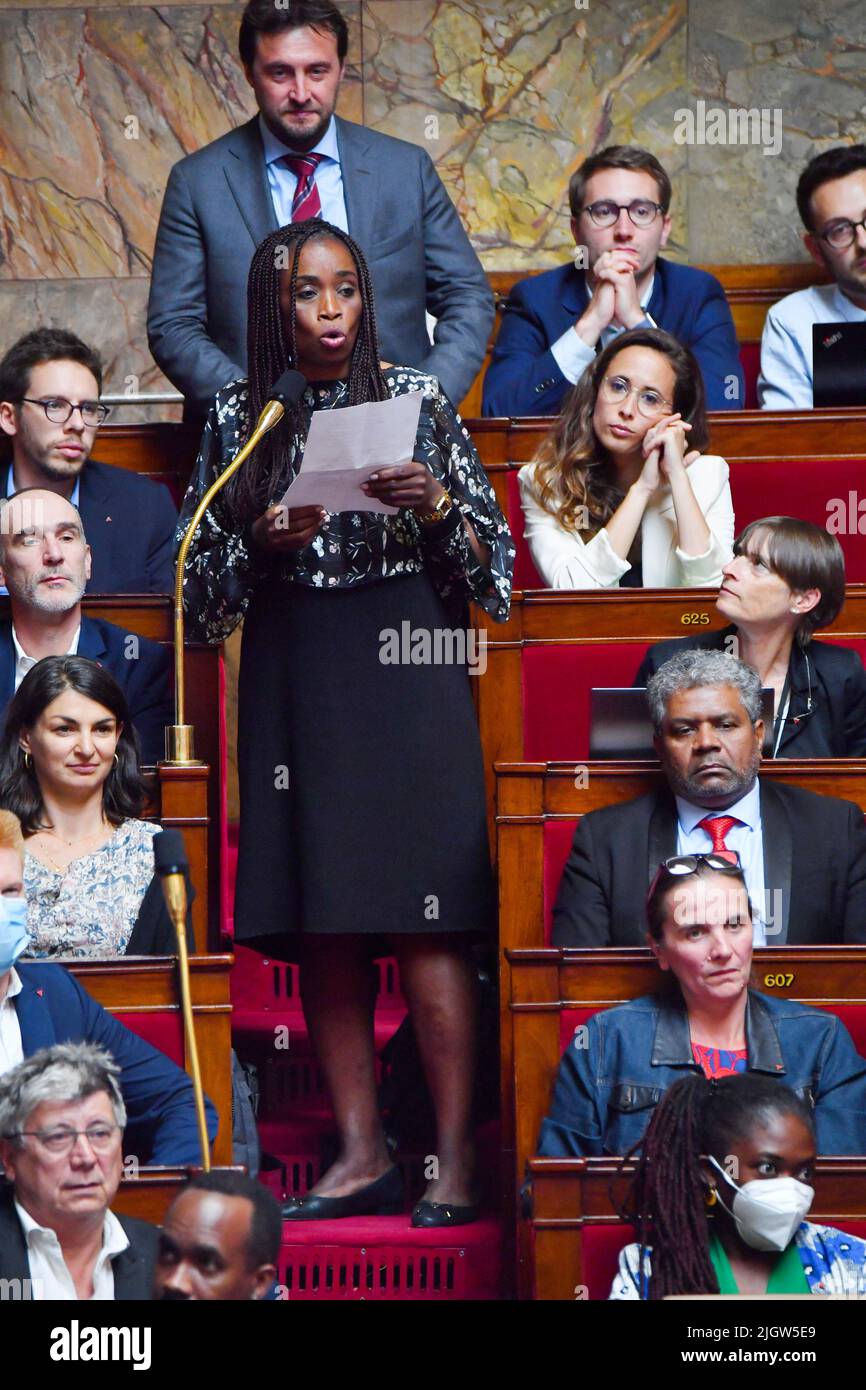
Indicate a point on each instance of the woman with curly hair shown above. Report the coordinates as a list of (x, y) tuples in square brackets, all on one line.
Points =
[(620, 493)]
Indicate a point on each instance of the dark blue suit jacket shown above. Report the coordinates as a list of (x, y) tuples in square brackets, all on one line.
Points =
[(523, 377), (129, 523), (161, 1125), (145, 678)]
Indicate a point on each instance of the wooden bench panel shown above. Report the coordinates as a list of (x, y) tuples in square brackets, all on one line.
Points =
[(150, 1194)]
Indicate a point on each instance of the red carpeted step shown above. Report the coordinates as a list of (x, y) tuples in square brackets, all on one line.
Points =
[(383, 1257)]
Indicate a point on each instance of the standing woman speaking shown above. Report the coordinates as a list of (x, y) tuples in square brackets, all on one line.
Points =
[(362, 811)]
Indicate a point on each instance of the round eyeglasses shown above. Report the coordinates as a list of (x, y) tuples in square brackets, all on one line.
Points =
[(59, 410), (641, 212), (842, 234), (60, 1141), (616, 389)]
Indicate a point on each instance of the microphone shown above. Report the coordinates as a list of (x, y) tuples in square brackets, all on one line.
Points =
[(171, 865), (170, 861), (285, 393)]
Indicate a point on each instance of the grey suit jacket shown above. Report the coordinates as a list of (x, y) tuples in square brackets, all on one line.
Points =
[(218, 209)]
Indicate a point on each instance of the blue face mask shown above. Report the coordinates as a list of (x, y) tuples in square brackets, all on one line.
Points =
[(13, 931)]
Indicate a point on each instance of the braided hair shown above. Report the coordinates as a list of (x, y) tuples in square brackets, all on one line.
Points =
[(271, 350), (667, 1199)]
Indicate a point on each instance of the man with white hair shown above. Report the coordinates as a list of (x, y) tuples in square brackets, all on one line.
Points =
[(803, 855), (61, 1129)]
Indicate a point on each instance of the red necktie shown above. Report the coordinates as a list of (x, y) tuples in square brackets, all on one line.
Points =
[(718, 827), (306, 202)]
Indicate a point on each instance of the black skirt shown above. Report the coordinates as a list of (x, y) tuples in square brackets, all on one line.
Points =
[(362, 803)]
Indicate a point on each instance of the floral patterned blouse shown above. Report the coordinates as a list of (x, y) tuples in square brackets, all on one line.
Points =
[(91, 909), (351, 548), (833, 1263)]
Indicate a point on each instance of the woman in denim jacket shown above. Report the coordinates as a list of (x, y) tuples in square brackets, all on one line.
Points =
[(618, 1067)]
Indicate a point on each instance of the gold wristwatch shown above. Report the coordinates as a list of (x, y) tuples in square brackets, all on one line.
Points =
[(437, 513)]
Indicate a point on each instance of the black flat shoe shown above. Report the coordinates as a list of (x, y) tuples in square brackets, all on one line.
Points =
[(384, 1197), (443, 1214)]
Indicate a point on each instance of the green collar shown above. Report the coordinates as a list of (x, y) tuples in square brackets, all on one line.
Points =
[(786, 1276)]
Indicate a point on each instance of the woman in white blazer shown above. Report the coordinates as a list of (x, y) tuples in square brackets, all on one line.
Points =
[(620, 493)]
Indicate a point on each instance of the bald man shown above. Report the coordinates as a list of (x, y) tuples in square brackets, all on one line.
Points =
[(45, 563)]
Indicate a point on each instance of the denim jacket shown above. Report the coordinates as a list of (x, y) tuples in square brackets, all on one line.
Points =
[(615, 1070)]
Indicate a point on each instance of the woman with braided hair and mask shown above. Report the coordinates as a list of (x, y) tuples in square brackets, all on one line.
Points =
[(720, 1196), (362, 810)]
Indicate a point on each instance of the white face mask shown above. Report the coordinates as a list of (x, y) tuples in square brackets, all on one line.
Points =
[(767, 1211)]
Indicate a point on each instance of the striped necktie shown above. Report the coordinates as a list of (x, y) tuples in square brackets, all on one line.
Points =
[(306, 202)]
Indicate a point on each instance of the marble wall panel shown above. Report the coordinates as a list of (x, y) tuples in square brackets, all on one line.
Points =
[(108, 313), (96, 105), (509, 97), (805, 61)]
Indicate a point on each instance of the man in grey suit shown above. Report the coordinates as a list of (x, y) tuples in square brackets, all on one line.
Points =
[(297, 159)]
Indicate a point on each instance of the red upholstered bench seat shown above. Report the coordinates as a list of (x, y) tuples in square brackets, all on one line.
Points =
[(162, 1028), (557, 680)]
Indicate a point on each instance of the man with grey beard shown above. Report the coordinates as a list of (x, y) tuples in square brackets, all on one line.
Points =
[(45, 565), (803, 855)]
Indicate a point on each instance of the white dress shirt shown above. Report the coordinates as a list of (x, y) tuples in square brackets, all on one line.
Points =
[(50, 1279), (25, 663), (329, 177), (565, 561), (785, 382), (572, 355), (11, 1047), (746, 840)]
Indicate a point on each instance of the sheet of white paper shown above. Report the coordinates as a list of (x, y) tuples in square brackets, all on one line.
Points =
[(345, 446)]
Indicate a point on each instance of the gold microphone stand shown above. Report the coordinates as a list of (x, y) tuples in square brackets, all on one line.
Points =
[(179, 742), (175, 895), (180, 752)]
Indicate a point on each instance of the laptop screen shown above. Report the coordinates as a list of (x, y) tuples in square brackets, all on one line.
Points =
[(838, 364)]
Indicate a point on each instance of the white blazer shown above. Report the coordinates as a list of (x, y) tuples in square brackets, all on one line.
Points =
[(564, 561)]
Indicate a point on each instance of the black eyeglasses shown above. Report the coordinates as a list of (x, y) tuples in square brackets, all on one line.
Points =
[(59, 410), (642, 213), (841, 234)]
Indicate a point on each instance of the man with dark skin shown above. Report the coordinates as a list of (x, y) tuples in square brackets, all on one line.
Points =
[(219, 1241), (803, 855), (708, 746)]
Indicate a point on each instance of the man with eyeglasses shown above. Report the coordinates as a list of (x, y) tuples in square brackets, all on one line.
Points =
[(61, 1129), (554, 323), (831, 199), (803, 855), (50, 382)]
